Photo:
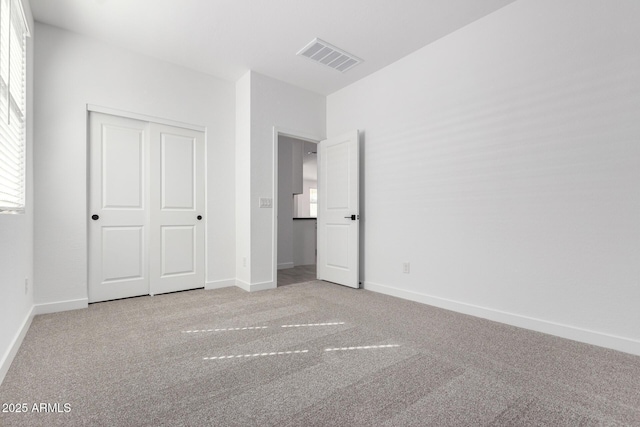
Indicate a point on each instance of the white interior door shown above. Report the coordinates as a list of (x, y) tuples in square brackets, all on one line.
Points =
[(338, 210), (147, 195), (177, 200), (118, 208)]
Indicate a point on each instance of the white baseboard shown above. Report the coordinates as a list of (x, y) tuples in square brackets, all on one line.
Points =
[(253, 287), (54, 307), (243, 285), (285, 265), (219, 284), (10, 354), (614, 342), (263, 286)]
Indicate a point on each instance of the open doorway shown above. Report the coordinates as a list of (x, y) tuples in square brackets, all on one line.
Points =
[(297, 209)]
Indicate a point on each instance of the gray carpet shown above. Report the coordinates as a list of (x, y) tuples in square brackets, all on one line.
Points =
[(310, 354)]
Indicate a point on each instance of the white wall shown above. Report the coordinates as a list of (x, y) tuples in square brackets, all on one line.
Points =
[(16, 244), (304, 241), (298, 112), (73, 71), (503, 162), (303, 201)]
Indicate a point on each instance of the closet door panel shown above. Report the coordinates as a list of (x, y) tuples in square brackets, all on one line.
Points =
[(118, 211), (178, 210)]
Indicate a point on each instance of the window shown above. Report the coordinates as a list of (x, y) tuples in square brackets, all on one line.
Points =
[(13, 34), (313, 202)]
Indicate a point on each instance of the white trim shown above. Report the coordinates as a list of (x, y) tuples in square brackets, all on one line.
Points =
[(254, 287), (145, 118), (206, 207), (55, 307), (27, 17), (219, 284), (295, 134), (243, 285), (276, 202), (626, 345), (285, 265), (24, 18), (10, 354), (262, 286), (277, 131)]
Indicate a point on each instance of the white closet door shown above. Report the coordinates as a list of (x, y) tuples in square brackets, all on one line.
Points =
[(118, 207), (146, 208), (177, 209)]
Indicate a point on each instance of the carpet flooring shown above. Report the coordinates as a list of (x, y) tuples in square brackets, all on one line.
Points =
[(309, 354)]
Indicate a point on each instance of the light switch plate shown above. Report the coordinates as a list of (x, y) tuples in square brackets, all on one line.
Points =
[(406, 267), (265, 202)]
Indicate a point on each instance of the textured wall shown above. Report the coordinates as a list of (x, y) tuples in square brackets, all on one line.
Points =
[(503, 162), (16, 241), (292, 110), (73, 71)]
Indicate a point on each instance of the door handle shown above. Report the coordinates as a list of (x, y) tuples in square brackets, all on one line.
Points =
[(95, 217), (353, 217), (199, 217)]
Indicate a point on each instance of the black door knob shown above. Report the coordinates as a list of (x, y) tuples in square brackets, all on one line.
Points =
[(199, 217), (94, 217)]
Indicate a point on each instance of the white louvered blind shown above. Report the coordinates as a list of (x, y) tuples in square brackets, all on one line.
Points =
[(13, 33)]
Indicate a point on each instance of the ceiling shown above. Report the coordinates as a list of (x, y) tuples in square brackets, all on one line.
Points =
[(225, 38)]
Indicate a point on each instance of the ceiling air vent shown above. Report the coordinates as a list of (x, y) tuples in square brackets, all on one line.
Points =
[(329, 55)]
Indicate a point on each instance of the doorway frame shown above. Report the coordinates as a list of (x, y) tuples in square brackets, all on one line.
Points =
[(303, 136), (91, 108)]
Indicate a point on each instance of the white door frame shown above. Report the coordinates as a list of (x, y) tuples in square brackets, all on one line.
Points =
[(93, 108), (280, 131)]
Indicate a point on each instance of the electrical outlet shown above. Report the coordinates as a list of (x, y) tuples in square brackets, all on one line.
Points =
[(406, 267), (26, 285), (244, 261)]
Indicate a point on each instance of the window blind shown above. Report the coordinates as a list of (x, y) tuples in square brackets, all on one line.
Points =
[(13, 33)]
